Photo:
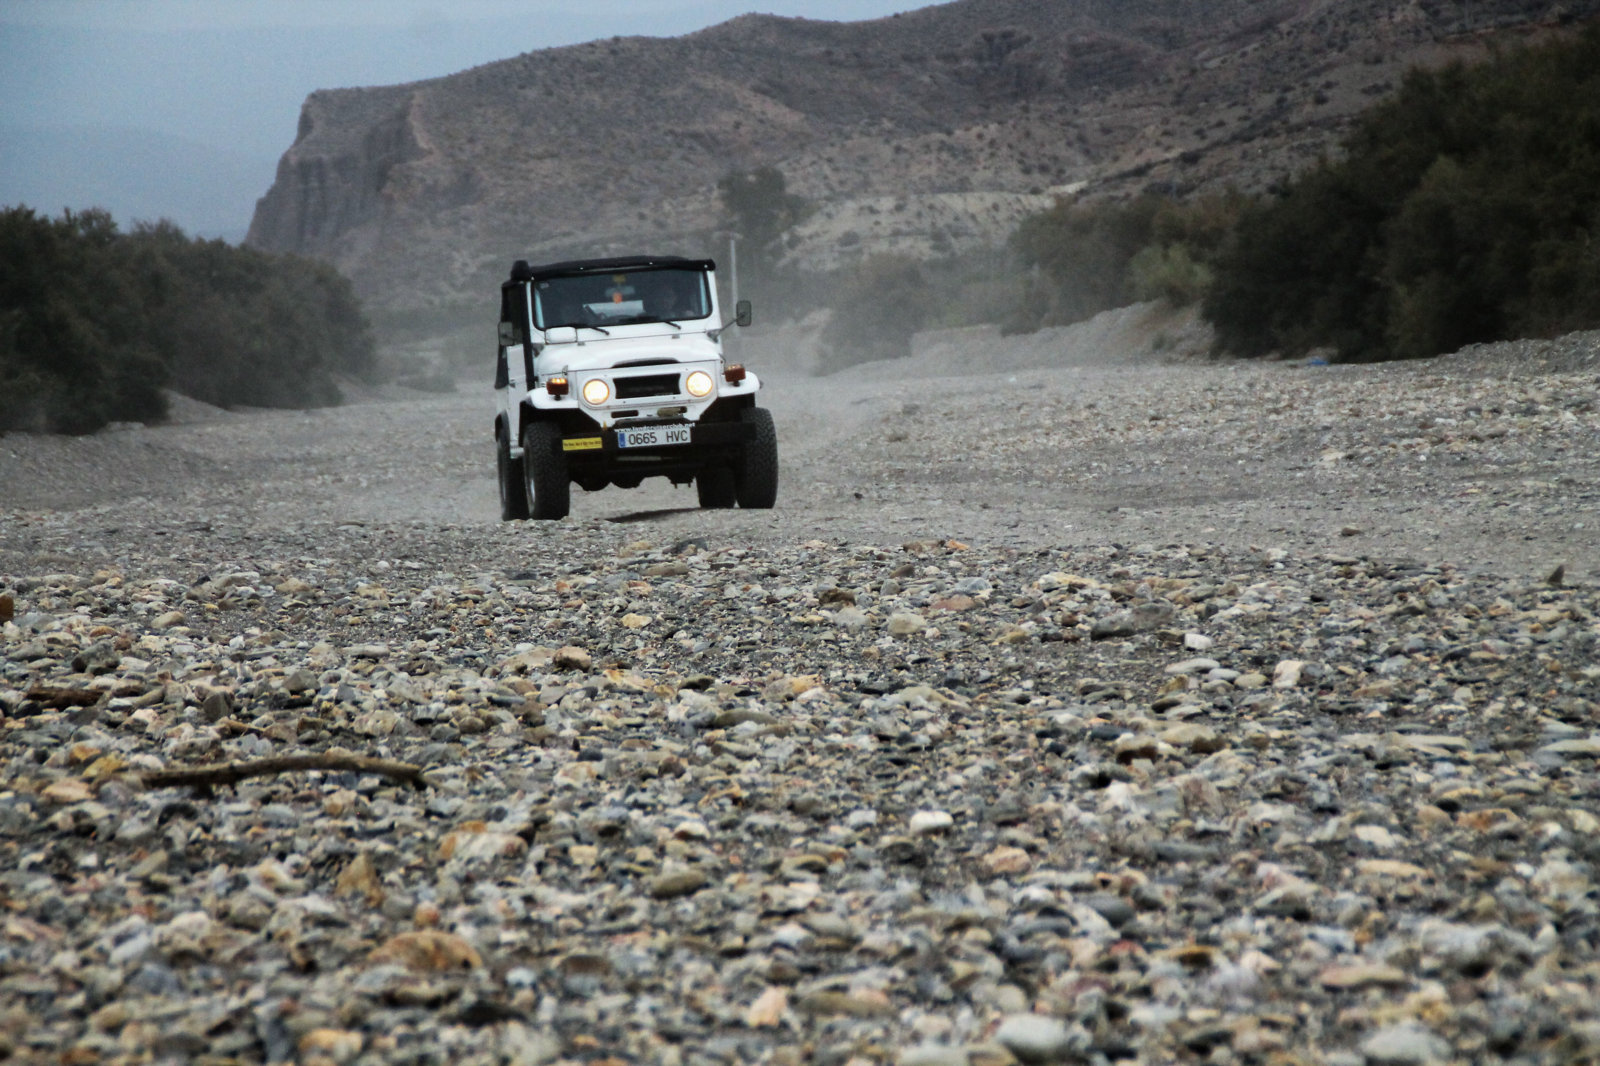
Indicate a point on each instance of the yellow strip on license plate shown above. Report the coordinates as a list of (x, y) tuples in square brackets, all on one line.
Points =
[(581, 444)]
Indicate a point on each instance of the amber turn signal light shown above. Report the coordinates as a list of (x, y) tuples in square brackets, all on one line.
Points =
[(556, 386), (734, 372)]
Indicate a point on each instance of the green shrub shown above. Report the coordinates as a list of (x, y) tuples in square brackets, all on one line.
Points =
[(71, 356), (1466, 209), (1085, 258), (1079, 255), (95, 323), (1168, 272), (1286, 281)]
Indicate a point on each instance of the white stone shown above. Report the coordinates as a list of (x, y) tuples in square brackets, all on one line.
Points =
[(850, 618), (1407, 1044), (905, 624), (1287, 673), (1377, 836), (1035, 1038)]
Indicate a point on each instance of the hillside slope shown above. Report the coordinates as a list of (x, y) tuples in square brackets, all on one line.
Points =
[(944, 124)]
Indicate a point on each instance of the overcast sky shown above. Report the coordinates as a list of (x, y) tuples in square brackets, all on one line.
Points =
[(228, 78)]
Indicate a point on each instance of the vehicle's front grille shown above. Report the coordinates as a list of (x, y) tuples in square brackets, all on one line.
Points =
[(634, 388)]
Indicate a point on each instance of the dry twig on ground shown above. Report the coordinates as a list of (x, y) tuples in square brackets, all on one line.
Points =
[(228, 773), (57, 698)]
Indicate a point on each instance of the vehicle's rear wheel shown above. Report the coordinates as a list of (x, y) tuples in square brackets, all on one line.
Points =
[(756, 476), (544, 467), (513, 493), (716, 488)]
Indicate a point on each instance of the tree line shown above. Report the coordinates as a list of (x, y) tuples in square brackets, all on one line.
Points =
[(1464, 209), (96, 323)]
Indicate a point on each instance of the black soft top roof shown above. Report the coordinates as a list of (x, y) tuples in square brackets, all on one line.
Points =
[(521, 271)]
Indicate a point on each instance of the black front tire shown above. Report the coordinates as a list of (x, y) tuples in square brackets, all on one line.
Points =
[(716, 487), (756, 477), (513, 493), (544, 467)]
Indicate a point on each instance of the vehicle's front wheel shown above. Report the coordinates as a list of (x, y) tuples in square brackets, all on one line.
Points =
[(716, 488), (513, 493), (544, 468), (756, 477)]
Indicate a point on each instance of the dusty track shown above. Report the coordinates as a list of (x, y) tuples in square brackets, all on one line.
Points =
[(1489, 459)]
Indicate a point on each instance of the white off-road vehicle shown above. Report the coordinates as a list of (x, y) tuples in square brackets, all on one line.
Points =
[(611, 371)]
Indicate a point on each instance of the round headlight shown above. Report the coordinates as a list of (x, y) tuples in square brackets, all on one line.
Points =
[(699, 384), (596, 392)]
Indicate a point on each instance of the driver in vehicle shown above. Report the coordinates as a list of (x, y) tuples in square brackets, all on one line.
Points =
[(676, 302)]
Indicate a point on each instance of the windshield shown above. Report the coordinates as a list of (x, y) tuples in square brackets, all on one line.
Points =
[(621, 299)]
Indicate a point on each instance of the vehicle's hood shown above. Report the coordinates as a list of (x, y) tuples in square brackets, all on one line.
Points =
[(611, 352)]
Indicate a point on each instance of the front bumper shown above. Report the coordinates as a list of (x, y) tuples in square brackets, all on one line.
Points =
[(596, 457), (706, 436)]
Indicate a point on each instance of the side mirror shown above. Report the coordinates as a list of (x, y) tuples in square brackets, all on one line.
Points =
[(561, 335), (741, 312), (508, 334)]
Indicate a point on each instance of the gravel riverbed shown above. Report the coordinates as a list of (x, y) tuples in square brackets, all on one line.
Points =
[(1072, 714)]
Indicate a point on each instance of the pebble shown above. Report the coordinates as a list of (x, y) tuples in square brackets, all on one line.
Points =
[(1037, 1039), (905, 624), (428, 951), (680, 883), (928, 823), (1406, 1044)]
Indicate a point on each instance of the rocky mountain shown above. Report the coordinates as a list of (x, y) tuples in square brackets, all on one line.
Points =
[(929, 132)]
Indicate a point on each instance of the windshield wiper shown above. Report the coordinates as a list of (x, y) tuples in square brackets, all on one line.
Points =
[(647, 320), (597, 329)]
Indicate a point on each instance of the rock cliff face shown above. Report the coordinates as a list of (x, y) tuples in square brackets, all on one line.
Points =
[(328, 184), (909, 130)]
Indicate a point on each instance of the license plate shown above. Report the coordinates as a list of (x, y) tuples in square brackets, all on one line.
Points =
[(653, 436)]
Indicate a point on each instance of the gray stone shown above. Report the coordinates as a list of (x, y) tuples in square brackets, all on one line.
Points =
[(1039, 1039), (1406, 1044), (1145, 617)]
